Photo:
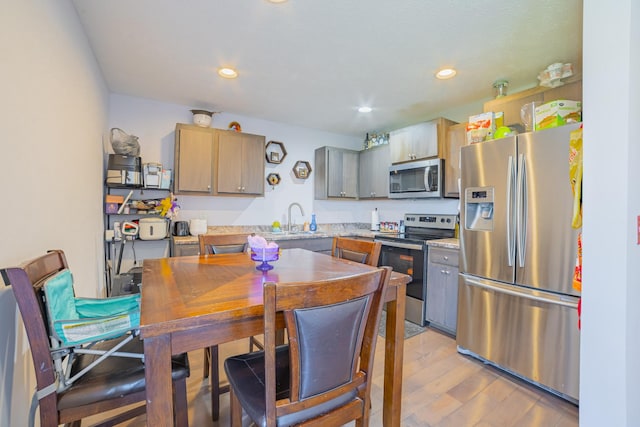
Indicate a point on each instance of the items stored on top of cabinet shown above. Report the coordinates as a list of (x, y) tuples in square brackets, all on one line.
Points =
[(202, 118), (336, 173), (510, 105), (420, 141), (218, 162)]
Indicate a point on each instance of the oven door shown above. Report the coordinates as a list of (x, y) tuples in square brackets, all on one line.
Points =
[(411, 259)]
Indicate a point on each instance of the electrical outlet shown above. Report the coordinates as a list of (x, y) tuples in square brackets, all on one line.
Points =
[(109, 235)]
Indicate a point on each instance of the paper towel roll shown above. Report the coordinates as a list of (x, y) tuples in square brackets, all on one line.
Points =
[(375, 220)]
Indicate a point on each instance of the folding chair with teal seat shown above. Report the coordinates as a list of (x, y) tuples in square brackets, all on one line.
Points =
[(86, 353)]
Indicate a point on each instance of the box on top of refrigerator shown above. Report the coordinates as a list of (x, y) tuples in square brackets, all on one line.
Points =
[(481, 127), (558, 113)]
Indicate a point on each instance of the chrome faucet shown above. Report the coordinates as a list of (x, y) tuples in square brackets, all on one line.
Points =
[(289, 214)]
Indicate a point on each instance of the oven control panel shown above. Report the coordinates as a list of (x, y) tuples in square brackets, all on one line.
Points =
[(430, 221)]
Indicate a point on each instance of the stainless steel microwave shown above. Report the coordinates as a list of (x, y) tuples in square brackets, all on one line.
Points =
[(416, 180)]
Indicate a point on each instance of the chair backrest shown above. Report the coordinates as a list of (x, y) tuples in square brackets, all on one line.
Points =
[(332, 329), (26, 282), (222, 243), (362, 251)]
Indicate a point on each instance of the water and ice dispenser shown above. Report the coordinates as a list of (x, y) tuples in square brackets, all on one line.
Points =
[(478, 208)]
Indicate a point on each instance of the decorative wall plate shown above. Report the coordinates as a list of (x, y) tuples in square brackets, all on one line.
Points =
[(273, 179)]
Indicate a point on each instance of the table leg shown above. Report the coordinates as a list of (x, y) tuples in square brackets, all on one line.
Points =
[(393, 355), (157, 359)]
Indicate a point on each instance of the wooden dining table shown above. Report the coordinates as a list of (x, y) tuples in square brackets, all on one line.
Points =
[(193, 302)]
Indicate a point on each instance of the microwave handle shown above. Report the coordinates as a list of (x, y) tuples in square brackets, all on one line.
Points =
[(427, 178)]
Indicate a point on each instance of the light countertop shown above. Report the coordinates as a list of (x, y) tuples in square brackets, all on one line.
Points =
[(324, 230), (445, 243)]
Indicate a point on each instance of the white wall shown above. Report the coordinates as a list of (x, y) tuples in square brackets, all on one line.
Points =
[(53, 110), (154, 123), (610, 348)]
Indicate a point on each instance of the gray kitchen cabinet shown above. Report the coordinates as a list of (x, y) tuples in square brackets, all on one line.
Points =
[(240, 168), (419, 141), (373, 180), (456, 138), (194, 160), (442, 288), (315, 244), (336, 173)]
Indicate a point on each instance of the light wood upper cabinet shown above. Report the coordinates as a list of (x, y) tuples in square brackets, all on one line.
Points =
[(456, 138), (373, 180), (510, 105), (336, 173), (194, 160), (240, 168), (419, 141)]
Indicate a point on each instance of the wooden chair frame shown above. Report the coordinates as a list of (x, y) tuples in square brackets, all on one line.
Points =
[(26, 282), (208, 244), (291, 297), (343, 245)]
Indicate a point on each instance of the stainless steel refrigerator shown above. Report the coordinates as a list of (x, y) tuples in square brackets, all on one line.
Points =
[(517, 307)]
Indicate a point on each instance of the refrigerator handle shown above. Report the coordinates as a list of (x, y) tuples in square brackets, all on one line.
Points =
[(511, 244), (502, 290), (521, 208)]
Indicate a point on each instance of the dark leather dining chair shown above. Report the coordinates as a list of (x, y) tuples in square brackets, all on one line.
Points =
[(114, 383), (323, 376), (214, 244), (362, 251), (358, 250)]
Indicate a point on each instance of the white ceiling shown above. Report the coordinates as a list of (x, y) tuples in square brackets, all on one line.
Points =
[(312, 63)]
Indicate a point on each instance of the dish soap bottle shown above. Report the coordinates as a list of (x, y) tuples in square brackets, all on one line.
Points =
[(313, 227)]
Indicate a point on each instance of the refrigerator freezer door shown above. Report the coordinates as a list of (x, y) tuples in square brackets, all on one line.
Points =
[(530, 333), (547, 243), (490, 168)]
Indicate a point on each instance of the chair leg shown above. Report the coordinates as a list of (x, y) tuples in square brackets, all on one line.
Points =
[(215, 382), (205, 365), (180, 406), (235, 409), (253, 341)]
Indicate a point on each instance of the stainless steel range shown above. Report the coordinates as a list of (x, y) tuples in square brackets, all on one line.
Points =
[(407, 253)]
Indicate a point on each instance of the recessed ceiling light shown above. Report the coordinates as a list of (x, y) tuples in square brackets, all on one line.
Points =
[(446, 73), (276, 1), (227, 73), (364, 109)]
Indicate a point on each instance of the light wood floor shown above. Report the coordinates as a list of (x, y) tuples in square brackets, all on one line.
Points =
[(441, 388)]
